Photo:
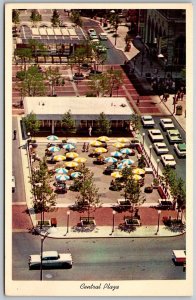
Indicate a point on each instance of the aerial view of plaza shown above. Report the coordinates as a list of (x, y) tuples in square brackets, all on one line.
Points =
[(98, 145)]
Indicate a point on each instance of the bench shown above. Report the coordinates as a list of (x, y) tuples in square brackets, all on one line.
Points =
[(85, 221), (131, 221), (44, 223)]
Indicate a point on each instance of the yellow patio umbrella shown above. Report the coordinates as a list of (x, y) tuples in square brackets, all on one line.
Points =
[(116, 175), (100, 150), (118, 145), (80, 159), (71, 164), (103, 138), (123, 140), (72, 155), (138, 171), (96, 143), (137, 177), (59, 157)]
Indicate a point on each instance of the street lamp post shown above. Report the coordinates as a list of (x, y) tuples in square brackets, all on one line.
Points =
[(159, 213), (113, 212), (158, 161), (41, 262), (143, 136), (68, 214), (150, 148), (142, 62)]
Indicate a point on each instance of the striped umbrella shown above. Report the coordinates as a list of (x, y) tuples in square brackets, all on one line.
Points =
[(72, 155), (71, 164), (61, 171), (118, 145), (138, 171), (122, 166), (69, 147), (59, 157), (52, 138), (100, 150), (76, 174), (96, 144), (126, 151), (116, 154), (103, 139), (116, 175), (72, 141), (80, 159), (110, 159), (62, 177), (123, 140), (54, 149), (128, 161), (137, 177)]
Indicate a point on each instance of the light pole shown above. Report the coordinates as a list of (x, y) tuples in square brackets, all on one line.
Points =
[(143, 136), (68, 214), (150, 148), (158, 161), (113, 212), (159, 213)]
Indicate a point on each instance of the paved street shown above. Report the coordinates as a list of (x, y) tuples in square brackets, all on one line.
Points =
[(100, 259)]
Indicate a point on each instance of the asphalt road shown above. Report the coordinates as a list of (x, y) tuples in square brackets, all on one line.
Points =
[(19, 194), (101, 259), (180, 162)]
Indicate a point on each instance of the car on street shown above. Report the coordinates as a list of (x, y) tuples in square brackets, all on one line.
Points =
[(92, 31), (155, 135), (13, 184), (101, 49), (167, 123), (161, 148), (50, 259), (93, 37), (180, 149), (168, 160), (147, 121), (179, 256), (103, 36), (174, 136)]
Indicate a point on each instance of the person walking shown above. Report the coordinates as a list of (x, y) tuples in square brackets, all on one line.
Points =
[(90, 131), (14, 132)]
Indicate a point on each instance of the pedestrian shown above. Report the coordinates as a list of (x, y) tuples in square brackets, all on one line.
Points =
[(90, 130), (14, 134), (84, 147), (138, 100), (87, 147)]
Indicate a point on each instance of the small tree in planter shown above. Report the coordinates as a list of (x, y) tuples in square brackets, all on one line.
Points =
[(141, 162), (68, 124), (155, 183), (32, 125), (104, 125)]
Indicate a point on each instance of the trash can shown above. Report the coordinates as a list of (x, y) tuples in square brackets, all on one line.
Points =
[(178, 110), (53, 222)]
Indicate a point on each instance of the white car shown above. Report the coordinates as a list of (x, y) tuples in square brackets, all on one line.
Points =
[(92, 31), (179, 256), (161, 148), (174, 136), (167, 123), (155, 135), (168, 160), (103, 36), (147, 121), (50, 259), (13, 184), (180, 149)]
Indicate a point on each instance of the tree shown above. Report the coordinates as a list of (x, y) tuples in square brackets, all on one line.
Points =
[(15, 17), (37, 48), (52, 75), (115, 22), (98, 85), (135, 121), (88, 197), (103, 125), (32, 125), (76, 18), (68, 123), (55, 20), (79, 57), (35, 17), (33, 83), (24, 54), (44, 196), (141, 162), (114, 80)]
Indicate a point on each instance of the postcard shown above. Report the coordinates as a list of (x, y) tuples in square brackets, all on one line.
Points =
[(98, 165)]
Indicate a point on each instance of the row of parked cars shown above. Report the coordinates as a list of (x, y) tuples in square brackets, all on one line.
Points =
[(96, 40), (157, 138)]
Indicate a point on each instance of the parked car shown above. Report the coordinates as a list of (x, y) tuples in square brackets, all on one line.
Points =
[(161, 148), (13, 184), (174, 136), (50, 259), (92, 31), (180, 149), (101, 49), (155, 135), (93, 37), (168, 160), (147, 121), (166, 123), (103, 36), (179, 256)]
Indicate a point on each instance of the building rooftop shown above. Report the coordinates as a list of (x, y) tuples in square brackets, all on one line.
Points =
[(86, 106)]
